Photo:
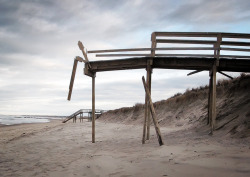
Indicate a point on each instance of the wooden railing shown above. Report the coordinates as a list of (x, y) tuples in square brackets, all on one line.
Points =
[(188, 44)]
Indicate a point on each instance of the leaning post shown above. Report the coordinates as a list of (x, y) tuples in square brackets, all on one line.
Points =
[(157, 128)]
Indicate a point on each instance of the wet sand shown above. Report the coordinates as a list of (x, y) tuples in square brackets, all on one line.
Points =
[(56, 149)]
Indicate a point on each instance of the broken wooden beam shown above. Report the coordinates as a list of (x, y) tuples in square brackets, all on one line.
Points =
[(194, 72), (72, 78), (157, 128), (225, 75)]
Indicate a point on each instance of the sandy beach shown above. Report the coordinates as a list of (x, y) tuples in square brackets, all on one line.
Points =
[(57, 149)]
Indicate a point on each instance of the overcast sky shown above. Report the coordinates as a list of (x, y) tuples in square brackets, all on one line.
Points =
[(38, 42)]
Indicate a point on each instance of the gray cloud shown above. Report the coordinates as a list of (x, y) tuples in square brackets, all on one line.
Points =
[(206, 13), (38, 41)]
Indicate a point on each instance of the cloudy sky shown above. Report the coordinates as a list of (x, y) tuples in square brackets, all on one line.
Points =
[(38, 42)]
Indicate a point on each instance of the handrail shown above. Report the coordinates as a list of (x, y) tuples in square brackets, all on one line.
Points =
[(217, 44)]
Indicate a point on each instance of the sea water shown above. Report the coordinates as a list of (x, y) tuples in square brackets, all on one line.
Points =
[(14, 119)]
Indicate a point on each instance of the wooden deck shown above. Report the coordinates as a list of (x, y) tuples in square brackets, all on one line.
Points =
[(184, 63), (198, 51)]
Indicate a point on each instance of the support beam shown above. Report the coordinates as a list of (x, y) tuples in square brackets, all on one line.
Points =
[(209, 116), (194, 72), (212, 101), (214, 98), (145, 120), (93, 109), (189, 63), (149, 78), (152, 110), (225, 75)]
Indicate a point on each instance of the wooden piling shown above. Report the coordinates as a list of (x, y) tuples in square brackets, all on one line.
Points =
[(209, 117), (152, 110), (213, 97), (149, 74), (145, 120), (149, 78), (93, 108)]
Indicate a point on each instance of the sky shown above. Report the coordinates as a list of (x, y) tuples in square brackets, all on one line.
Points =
[(38, 43)]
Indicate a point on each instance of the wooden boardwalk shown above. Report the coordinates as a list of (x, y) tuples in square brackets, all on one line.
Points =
[(81, 111), (198, 51)]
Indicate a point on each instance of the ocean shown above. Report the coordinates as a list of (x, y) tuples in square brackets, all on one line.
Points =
[(26, 119)]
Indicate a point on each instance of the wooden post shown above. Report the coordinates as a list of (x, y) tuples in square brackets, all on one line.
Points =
[(93, 108), (149, 78), (149, 74), (157, 128), (145, 119), (146, 125), (212, 84), (209, 117), (213, 96)]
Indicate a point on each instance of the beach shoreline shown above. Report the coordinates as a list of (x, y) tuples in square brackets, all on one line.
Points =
[(11, 132), (57, 149)]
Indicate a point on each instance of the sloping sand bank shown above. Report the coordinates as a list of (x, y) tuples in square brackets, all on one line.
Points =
[(66, 150)]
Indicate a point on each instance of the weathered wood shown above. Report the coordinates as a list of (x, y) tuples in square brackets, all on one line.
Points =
[(93, 109), (194, 72), (188, 63), (182, 55), (149, 49), (178, 41), (122, 55), (201, 34), (80, 59), (235, 49), (157, 128), (185, 34), (169, 55), (209, 118), (235, 56), (206, 42), (200, 55), (149, 80), (225, 75), (120, 50), (234, 43), (81, 47), (213, 98), (145, 120), (72, 79)]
